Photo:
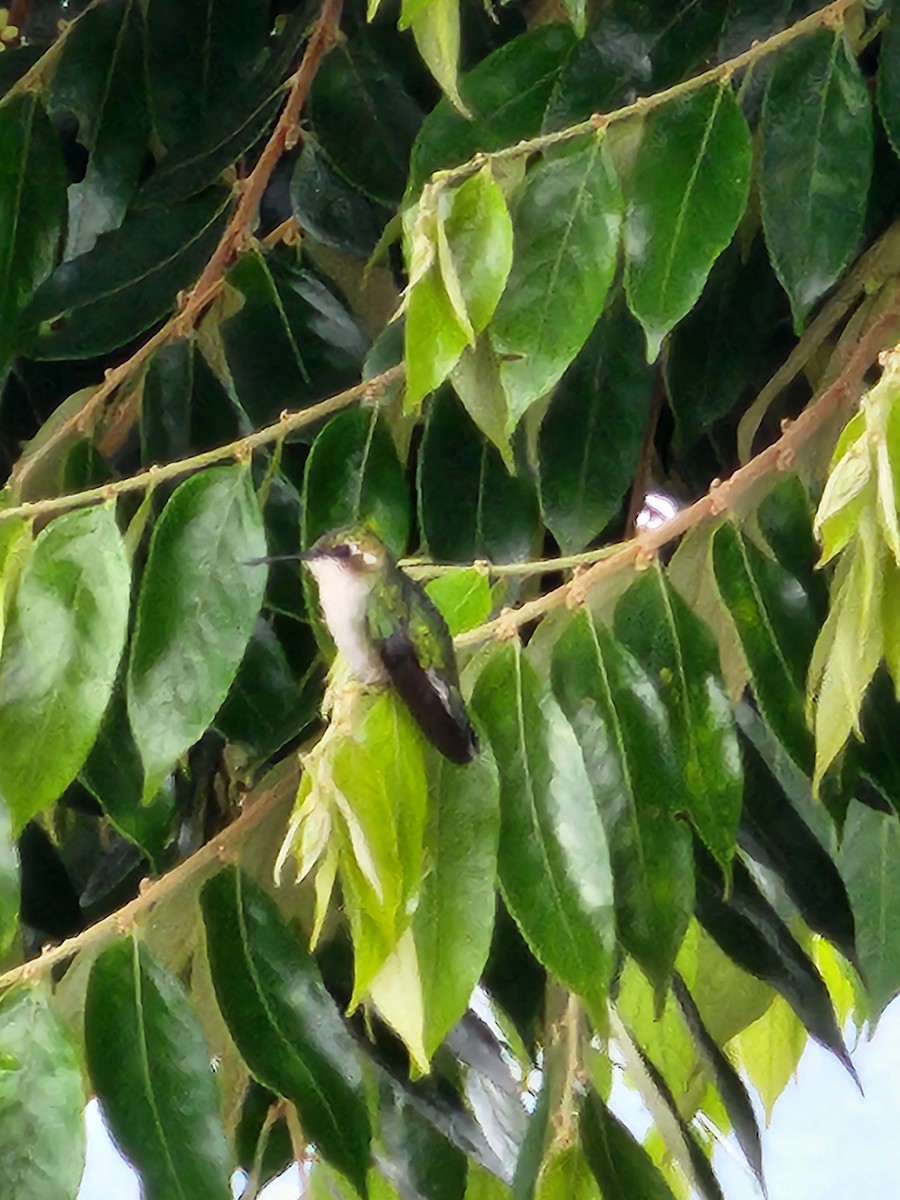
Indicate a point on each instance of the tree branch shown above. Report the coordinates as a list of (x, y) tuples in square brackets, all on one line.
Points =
[(211, 279)]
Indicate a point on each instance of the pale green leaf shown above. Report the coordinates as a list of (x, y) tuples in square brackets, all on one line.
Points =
[(435, 27)]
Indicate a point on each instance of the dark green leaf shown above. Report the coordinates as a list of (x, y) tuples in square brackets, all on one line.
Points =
[(633, 48), (476, 510), (197, 55), (266, 705), (534, 1144), (775, 834), (454, 916), (752, 934), (196, 610), (728, 1083), (674, 645), (114, 776), (626, 742), (592, 434), (41, 1100), (151, 1072), (32, 204), (205, 148), (331, 209), (284, 1023), (353, 476), (100, 78), (687, 193), (422, 1163), (290, 343), (554, 861), (130, 279), (166, 403), (256, 1142), (566, 223), (621, 1166), (889, 78), (60, 655), (364, 119), (506, 94), (786, 522), (777, 629), (870, 864), (725, 350), (816, 165), (9, 883)]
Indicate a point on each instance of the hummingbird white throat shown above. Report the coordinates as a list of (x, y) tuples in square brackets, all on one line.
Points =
[(389, 631)]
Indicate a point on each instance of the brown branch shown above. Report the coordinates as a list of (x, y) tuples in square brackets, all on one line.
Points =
[(240, 449), (276, 791), (722, 497), (211, 279)]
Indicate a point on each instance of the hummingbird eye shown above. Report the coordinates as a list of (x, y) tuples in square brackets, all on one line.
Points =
[(343, 551)]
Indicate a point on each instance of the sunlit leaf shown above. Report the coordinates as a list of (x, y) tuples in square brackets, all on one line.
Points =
[(62, 648), (196, 610)]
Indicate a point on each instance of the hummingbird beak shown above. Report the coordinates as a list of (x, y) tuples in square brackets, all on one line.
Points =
[(275, 558)]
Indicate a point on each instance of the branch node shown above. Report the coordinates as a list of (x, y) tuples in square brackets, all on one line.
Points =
[(785, 458), (644, 558), (145, 885), (482, 565), (507, 626), (718, 498)]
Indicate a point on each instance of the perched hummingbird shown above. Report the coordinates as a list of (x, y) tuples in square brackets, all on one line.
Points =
[(389, 631)]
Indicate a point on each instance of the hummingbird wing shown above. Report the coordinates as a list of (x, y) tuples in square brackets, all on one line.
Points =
[(433, 699)]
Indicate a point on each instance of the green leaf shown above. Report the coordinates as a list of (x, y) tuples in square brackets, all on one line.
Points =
[(725, 350), (100, 79), (769, 1051), (633, 50), (752, 934), (197, 55), (364, 119), (591, 437), (817, 135), (506, 95), (687, 193), (129, 280), (290, 343), (353, 477), (454, 917), (151, 1072), (332, 210), (567, 1176), (41, 1100), (477, 510), (381, 792), (166, 403), (436, 30), (60, 655), (266, 705), (476, 381), (728, 1083), (475, 248), (776, 835), (434, 338), (32, 204), (464, 598), (889, 79), (567, 219), (196, 611), (554, 861), (621, 1166), (850, 644), (283, 1021), (9, 883), (626, 742), (677, 649), (869, 861), (776, 626), (205, 148), (113, 774)]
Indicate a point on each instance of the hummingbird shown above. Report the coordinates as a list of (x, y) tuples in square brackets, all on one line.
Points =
[(390, 632)]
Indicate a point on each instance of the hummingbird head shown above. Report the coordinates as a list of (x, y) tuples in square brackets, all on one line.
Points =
[(354, 549)]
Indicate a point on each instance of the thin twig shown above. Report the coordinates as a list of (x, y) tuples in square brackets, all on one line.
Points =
[(241, 449), (207, 287)]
